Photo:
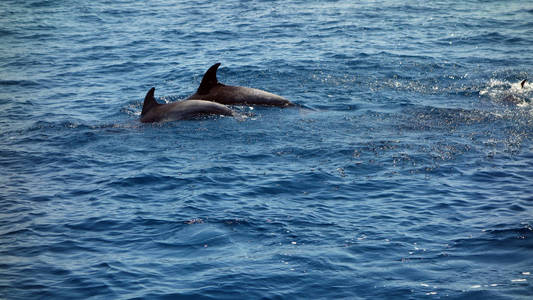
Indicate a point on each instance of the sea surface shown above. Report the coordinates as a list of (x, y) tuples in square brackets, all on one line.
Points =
[(405, 171)]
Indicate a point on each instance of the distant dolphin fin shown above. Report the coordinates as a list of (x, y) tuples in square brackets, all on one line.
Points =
[(523, 82), (149, 101), (209, 80)]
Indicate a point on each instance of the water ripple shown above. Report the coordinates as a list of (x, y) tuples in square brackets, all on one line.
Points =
[(403, 173)]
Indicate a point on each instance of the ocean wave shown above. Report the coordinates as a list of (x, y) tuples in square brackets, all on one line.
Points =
[(405, 173)]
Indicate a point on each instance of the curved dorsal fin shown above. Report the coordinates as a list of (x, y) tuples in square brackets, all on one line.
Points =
[(523, 82), (149, 101), (209, 80)]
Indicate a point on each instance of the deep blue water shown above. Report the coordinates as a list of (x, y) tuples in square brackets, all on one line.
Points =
[(407, 172)]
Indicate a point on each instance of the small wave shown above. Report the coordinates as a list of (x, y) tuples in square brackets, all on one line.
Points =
[(76, 125), (520, 232), (133, 109), (427, 87), (5, 32), (22, 83), (97, 224), (41, 4), (161, 181), (441, 118), (495, 241), (484, 40)]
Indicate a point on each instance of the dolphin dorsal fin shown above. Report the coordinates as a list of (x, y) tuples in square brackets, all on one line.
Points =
[(523, 82), (149, 101), (209, 80)]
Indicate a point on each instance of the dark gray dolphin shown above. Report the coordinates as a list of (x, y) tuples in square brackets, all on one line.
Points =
[(212, 90), (181, 110), (522, 83)]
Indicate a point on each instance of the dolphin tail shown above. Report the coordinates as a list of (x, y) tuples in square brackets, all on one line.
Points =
[(209, 80), (149, 101), (523, 82)]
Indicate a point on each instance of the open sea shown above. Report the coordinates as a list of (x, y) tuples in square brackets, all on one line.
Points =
[(405, 172)]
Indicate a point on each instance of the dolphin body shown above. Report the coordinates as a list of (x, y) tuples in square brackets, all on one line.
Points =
[(181, 110), (212, 90)]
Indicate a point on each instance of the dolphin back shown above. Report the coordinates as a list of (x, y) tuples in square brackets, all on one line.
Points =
[(209, 80), (149, 102), (212, 90)]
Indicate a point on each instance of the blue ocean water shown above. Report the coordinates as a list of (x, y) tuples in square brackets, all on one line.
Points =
[(407, 172)]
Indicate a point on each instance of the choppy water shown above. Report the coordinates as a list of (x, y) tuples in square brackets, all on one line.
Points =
[(407, 173)]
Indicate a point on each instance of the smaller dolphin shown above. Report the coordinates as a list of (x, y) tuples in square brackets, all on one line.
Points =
[(181, 110), (516, 94), (210, 89)]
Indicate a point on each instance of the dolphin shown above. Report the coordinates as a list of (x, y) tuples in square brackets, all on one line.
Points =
[(212, 90), (516, 96), (181, 110)]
